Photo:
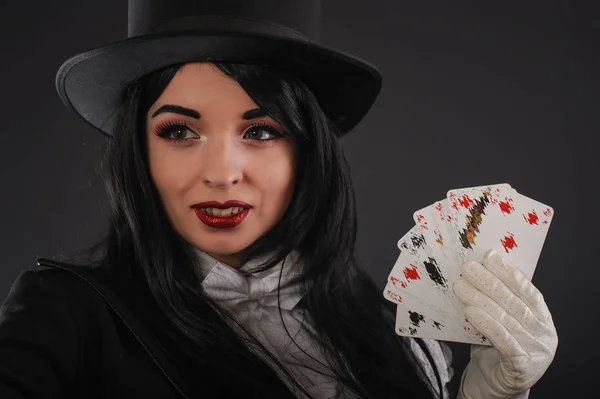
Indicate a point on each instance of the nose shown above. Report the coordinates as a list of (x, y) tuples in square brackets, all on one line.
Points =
[(221, 165)]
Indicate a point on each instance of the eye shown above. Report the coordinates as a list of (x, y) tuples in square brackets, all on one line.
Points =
[(262, 132), (174, 131)]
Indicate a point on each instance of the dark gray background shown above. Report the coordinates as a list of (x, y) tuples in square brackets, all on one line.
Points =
[(474, 93)]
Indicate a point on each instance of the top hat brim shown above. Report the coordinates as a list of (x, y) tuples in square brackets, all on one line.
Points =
[(93, 83)]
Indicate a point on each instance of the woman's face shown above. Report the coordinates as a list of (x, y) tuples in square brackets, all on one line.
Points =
[(227, 150)]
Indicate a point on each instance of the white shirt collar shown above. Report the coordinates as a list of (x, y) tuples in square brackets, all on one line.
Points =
[(237, 288)]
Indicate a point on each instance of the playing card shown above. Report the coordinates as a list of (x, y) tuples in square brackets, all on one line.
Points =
[(414, 246), (497, 217), (433, 225), (391, 295), (418, 322), (405, 273), (417, 272), (460, 201), (441, 212)]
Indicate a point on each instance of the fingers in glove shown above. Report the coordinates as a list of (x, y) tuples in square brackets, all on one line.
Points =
[(497, 333), (518, 284), (496, 289), (496, 320)]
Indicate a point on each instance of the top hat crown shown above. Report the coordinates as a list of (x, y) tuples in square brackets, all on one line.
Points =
[(293, 19), (278, 33)]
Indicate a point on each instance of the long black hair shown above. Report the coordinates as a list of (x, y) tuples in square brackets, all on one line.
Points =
[(355, 324)]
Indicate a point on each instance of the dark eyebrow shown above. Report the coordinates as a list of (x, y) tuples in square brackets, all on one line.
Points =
[(177, 109), (254, 113)]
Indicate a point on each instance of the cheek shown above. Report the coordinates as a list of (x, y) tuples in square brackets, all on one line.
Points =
[(276, 176), (167, 176), (159, 169)]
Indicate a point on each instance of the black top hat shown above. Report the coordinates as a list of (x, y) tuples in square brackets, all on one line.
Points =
[(281, 33)]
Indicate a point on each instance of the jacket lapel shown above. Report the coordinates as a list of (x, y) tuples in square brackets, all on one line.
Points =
[(93, 276)]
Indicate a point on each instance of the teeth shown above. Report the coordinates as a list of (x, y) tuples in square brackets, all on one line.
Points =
[(223, 212)]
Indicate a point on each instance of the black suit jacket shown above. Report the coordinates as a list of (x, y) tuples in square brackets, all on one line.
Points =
[(68, 331)]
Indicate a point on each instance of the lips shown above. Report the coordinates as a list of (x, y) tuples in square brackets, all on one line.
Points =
[(218, 221), (227, 204)]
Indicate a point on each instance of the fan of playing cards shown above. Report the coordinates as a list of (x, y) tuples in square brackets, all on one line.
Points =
[(464, 226)]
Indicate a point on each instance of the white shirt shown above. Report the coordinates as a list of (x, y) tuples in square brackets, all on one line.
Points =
[(251, 298)]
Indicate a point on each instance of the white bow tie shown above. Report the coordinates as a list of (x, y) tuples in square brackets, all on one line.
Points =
[(241, 288)]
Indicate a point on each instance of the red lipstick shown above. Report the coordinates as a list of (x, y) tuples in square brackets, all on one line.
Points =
[(221, 221), (216, 204)]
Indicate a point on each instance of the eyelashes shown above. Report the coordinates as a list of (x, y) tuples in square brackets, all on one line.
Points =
[(165, 129), (168, 130), (265, 127)]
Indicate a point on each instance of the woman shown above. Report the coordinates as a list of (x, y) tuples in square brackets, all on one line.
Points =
[(228, 269)]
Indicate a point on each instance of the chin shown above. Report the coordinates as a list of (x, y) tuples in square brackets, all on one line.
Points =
[(222, 246)]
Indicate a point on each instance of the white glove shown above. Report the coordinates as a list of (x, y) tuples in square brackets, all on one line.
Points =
[(506, 307)]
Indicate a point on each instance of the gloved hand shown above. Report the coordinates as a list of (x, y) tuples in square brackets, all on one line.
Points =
[(506, 307)]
